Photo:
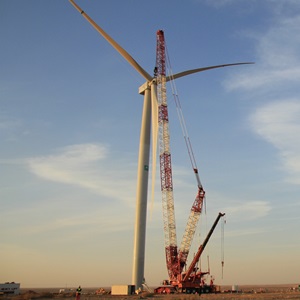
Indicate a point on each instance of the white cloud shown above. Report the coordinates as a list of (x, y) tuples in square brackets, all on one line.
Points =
[(277, 72), (248, 210), (65, 166), (277, 7), (279, 124), (277, 59), (93, 222), (263, 78), (96, 184), (85, 166)]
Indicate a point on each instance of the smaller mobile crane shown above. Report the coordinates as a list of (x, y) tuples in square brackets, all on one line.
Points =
[(191, 280)]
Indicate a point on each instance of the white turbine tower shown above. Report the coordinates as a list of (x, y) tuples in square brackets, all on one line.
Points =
[(148, 89)]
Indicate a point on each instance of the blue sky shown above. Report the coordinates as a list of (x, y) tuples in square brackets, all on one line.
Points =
[(70, 117)]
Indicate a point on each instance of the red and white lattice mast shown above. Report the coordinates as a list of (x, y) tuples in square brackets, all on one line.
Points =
[(175, 259), (165, 159)]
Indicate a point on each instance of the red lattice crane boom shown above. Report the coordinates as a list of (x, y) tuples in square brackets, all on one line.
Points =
[(175, 259), (165, 159)]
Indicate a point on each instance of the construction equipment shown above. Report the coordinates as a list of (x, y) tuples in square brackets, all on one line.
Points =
[(176, 260), (192, 280)]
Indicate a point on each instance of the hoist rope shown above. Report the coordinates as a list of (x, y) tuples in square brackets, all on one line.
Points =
[(180, 113), (222, 246), (184, 129)]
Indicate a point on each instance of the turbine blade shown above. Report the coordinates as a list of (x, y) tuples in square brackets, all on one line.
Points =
[(123, 52), (154, 115), (184, 73)]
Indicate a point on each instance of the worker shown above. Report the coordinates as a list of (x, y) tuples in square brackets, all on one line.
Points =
[(78, 293)]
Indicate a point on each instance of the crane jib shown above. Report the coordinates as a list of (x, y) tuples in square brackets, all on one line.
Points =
[(201, 248)]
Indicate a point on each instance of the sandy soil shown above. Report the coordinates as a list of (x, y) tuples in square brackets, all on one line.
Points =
[(275, 292)]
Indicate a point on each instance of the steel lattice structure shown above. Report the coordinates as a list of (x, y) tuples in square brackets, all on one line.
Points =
[(175, 259), (165, 159)]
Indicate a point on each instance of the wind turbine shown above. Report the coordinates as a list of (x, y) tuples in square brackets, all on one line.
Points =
[(150, 107)]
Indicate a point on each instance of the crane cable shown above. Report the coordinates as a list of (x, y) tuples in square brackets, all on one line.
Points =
[(183, 124), (222, 245), (180, 113), (182, 121)]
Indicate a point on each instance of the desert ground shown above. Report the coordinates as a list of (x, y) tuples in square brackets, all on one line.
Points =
[(275, 292)]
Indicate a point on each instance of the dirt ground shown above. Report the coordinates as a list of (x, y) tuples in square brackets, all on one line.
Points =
[(250, 296), (275, 292)]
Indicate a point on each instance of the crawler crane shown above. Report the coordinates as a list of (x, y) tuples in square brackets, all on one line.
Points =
[(189, 281)]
